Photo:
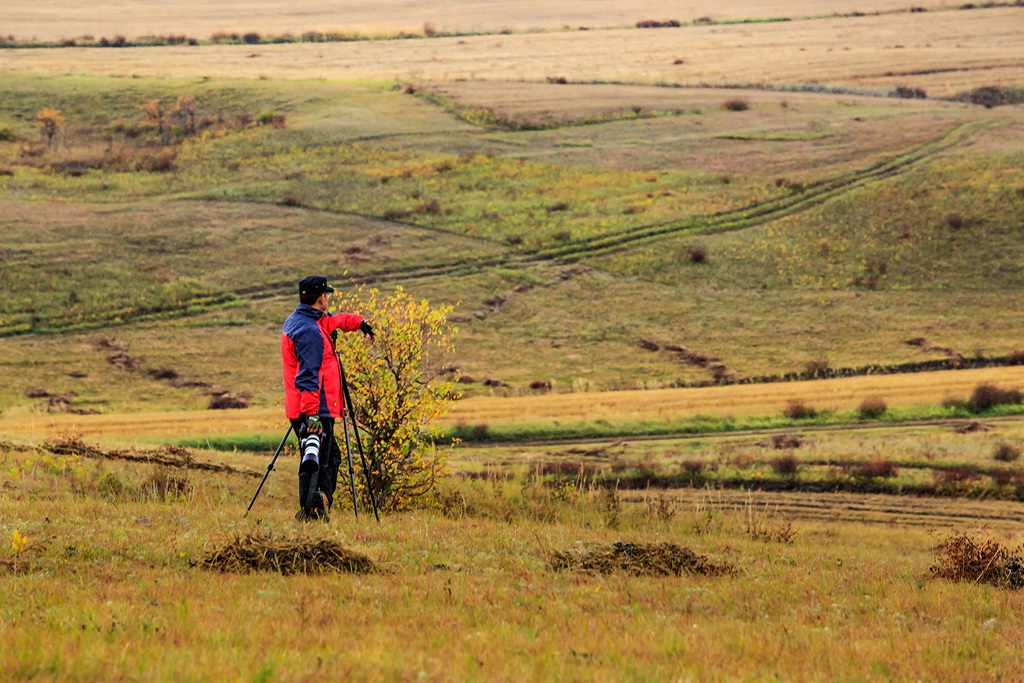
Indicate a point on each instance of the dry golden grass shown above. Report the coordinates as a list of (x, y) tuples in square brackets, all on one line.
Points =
[(100, 583), (959, 49), (50, 21), (618, 406)]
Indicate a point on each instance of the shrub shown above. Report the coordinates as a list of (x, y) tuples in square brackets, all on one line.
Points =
[(909, 93), (883, 469), (786, 465), (987, 396), (693, 466), (697, 254), (1015, 357), (796, 409), (252, 38), (964, 559), (157, 162), (654, 23), (395, 214), (559, 206), (736, 104), (990, 96), (1006, 453), (399, 389), (7, 135), (269, 118), (958, 474), (783, 441), (955, 221), (872, 408), (433, 207)]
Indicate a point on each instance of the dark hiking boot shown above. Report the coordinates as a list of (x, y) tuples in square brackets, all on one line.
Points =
[(320, 508)]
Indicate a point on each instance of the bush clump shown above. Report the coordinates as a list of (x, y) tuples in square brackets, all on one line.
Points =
[(786, 465), (881, 469), (796, 409), (987, 396), (961, 558), (872, 408), (1006, 452), (736, 104)]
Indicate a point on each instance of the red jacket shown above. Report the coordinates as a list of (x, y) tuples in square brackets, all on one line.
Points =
[(312, 382)]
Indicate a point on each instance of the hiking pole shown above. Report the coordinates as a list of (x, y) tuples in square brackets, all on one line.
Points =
[(359, 442), (269, 468)]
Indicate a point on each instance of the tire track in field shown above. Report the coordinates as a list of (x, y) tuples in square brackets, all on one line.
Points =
[(727, 221), (755, 214)]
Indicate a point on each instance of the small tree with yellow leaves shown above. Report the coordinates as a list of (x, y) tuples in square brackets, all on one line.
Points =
[(49, 122), (399, 389)]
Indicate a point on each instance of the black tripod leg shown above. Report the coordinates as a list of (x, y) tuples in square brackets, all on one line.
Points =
[(270, 467), (359, 442)]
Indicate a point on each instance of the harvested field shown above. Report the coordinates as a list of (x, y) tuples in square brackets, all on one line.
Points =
[(44, 21), (264, 553), (877, 510), (638, 559), (942, 52), (655, 404)]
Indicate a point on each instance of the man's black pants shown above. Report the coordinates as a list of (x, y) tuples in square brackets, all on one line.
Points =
[(330, 461)]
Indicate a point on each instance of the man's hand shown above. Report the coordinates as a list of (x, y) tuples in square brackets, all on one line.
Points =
[(367, 329), (313, 425)]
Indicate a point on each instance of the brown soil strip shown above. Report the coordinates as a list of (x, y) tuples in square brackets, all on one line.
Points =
[(171, 456)]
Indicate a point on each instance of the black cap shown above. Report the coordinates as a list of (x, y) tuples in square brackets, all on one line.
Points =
[(314, 285)]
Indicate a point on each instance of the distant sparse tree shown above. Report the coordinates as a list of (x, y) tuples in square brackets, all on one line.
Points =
[(49, 121), (184, 111), (154, 111)]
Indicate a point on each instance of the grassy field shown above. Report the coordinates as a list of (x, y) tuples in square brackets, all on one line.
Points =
[(808, 598), (632, 224), (188, 264)]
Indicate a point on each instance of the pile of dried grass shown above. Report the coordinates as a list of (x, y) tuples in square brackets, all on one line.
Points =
[(264, 553), (964, 559), (639, 559)]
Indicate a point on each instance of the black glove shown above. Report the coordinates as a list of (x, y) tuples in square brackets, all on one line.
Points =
[(366, 328)]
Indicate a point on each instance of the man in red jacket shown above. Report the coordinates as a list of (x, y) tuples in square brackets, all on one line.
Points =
[(313, 393)]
